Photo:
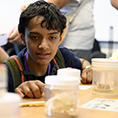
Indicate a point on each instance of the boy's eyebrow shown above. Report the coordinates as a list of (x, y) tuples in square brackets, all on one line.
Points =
[(54, 33), (34, 33), (39, 33)]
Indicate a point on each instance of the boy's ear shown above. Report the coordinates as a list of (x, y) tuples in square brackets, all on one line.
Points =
[(23, 39), (61, 39)]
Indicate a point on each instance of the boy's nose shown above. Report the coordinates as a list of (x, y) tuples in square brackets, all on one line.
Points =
[(43, 44)]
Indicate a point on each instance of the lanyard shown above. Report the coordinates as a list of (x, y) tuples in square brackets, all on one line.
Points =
[(49, 68), (27, 68)]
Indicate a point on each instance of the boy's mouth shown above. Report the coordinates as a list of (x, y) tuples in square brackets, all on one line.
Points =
[(43, 55)]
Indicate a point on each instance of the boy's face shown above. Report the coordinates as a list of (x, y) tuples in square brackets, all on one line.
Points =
[(41, 43)]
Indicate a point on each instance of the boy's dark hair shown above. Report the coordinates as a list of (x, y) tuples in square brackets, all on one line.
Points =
[(52, 16)]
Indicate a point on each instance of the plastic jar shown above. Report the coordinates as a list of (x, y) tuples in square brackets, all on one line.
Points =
[(61, 96), (10, 105), (105, 77)]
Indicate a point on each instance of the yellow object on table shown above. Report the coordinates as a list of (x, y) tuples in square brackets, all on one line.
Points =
[(32, 104), (115, 55)]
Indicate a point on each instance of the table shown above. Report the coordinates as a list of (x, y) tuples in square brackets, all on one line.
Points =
[(85, 96)]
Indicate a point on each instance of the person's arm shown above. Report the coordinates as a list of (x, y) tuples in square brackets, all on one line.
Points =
[(14, 36), (23, 7), (114, 3), (59, 3), (72, 61), (3, 55), (87, 74)]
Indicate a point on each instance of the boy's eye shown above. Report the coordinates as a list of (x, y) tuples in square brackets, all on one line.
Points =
[(52, 37), (34, 37)]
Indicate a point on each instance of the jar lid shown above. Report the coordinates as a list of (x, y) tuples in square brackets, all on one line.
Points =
[(9, 103), (62, 80), (68, 72), (105, 62), (7, 98)]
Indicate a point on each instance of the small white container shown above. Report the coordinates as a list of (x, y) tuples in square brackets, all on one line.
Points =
[(69, 72), (10, 105), (61, 96), (105, 77)]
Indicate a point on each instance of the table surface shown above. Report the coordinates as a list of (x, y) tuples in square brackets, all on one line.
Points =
[(85, 96)]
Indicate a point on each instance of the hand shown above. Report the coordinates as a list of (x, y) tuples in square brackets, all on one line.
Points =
[(14, 36), (30, 89), (24, 7), (87, 75)]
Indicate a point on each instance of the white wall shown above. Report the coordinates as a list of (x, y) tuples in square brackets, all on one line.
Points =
[(9, 13), (105, 16)]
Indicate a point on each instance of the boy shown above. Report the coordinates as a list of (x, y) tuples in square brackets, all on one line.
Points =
[(41, 26)]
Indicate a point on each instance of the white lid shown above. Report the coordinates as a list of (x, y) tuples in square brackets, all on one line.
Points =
[(68, 72), (9, 98), (104, 62), (9, 104), (61, 80)]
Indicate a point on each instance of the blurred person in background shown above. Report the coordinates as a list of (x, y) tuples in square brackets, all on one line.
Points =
[(114, 3), (80, 34), (14, 35)]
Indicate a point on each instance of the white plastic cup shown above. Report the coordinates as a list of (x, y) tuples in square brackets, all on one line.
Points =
[(10, 105)]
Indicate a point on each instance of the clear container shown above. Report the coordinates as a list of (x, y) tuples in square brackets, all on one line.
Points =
[(105, 77), (10, 105), (3, 79), (61, 96)]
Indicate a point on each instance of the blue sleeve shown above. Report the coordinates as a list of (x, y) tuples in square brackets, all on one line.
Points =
[(70, 59)]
